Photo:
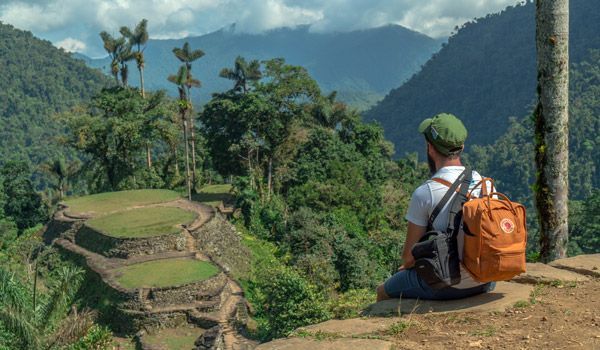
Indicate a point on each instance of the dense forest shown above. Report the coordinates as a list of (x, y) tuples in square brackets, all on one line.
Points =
[(38, 81), (361, 65), (484, 74)]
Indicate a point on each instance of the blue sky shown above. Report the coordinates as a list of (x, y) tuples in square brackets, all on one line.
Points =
[(75, 24)]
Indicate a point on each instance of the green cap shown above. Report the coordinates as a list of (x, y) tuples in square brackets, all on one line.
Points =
[(445, 132)]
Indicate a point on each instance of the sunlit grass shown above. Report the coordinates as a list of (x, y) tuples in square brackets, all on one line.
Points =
[(143, 222), (165, 273), (112, 201), (213, 195), (182, 338)]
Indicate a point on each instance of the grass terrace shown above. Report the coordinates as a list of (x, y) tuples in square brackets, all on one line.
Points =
[(165, 273), (103, 203), (181, 338), (143, 222), (214, 195)]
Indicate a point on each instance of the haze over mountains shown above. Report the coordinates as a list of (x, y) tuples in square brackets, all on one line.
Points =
[(361, 65), (485, 74)]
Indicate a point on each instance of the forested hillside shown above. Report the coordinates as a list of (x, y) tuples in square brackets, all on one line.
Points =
[(37, 80), (484, 74), (511, 157), (361, 65)]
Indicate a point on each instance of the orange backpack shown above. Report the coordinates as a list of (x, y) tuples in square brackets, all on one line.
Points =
[(495, 235)]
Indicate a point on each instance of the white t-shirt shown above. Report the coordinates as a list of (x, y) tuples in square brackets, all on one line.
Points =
[(425, 198)]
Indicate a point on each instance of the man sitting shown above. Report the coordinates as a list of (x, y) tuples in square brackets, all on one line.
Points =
[(445, 135)]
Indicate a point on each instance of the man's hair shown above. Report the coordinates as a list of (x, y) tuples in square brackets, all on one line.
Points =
[(453, 155)]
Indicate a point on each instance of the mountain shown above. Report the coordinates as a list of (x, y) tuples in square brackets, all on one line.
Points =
[(361, 65), (37, 80), (485, 74)]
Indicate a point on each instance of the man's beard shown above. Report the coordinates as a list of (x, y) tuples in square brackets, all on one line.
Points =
[(431, 164)]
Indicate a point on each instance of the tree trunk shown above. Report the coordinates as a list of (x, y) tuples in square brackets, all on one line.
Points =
[(141, 69), (187, 158), (176, 161), (148, 155), (551, 126), (193, 137), (269, 178)]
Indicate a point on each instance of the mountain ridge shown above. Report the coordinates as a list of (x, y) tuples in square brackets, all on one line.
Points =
[(485, 74), (361, 65)]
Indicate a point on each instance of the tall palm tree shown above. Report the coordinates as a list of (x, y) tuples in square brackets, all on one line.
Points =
[(180, 79), (186, 55), (62, 171), (242, 73), (138, 39), (113, 46), (124, 55), (552, 126), (49, 324)]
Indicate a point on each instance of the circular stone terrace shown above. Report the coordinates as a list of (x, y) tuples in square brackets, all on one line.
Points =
[(141, 243), (141, 237)]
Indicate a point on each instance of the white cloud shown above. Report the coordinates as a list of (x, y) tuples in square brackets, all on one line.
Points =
[(82, 20), (71, 45)]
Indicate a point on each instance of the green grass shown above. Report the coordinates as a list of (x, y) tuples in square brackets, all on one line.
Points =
[(175, 338), (102, 203), (165, 273), (398, 327), (143, 222), (486, 332), (213, 195)]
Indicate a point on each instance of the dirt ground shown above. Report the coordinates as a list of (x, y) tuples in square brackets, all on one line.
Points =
[(557, 316)]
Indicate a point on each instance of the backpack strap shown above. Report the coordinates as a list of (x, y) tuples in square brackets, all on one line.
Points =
[(442, 203), (455, 213)]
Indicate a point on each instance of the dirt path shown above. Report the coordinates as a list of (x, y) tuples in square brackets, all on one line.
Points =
[(557, 316)]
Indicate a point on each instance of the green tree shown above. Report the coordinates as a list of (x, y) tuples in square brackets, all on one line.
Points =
[(21, 202), (186, 55), (62, 172), (290, 302), (584, 225), (46, 321), (242, 74), (113, 47), (138, 37), (183, 103), (113, 131)]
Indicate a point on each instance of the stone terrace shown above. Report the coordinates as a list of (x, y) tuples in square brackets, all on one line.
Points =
[(212, 303)]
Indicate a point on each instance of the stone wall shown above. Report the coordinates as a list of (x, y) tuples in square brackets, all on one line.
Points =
[(222, 243), (207, 290), (60, 227), (124, 248)]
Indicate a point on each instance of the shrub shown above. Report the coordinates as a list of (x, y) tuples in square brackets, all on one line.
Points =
[(290, 301)]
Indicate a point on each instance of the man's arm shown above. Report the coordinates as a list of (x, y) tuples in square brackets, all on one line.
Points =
[(413, 235)]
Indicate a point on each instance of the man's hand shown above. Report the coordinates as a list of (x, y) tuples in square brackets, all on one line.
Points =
[(408, 262), (414, 233)]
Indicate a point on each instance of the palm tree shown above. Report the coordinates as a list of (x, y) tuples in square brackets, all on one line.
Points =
[(552, 126), (186, 55), (49, 324), (180, 79), (138, 39), (113, 47), (124, 55), (242, 73), (62, 172)]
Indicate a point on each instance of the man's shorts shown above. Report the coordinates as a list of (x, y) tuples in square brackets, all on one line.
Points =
[(408, 284)]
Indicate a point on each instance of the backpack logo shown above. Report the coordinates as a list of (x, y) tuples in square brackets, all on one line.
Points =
[(507, 225)]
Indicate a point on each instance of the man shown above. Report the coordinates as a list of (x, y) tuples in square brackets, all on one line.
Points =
[(445, 135)]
